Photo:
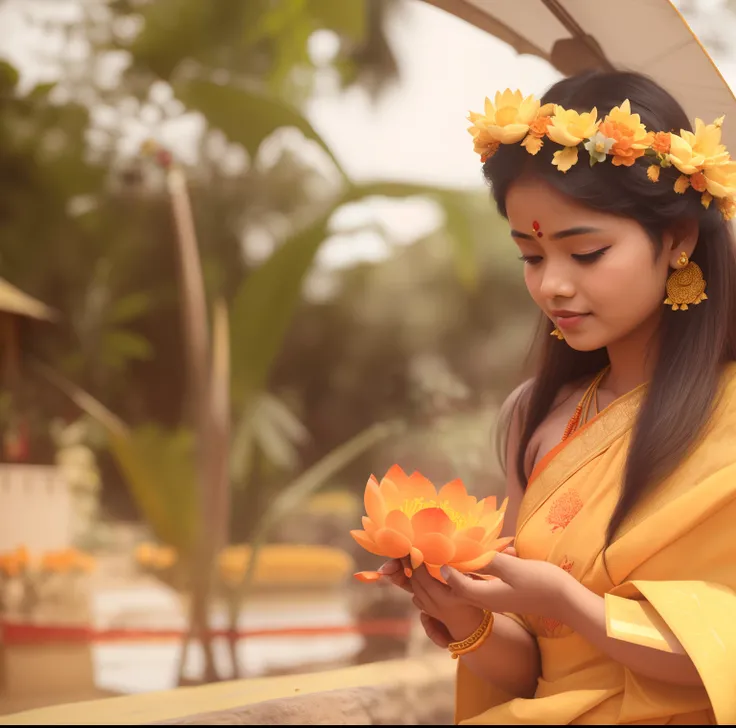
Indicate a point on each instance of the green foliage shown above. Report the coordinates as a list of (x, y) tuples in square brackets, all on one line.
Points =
[(264, 306), (89, 232), (158, 466), (294, 495), (246, 116)]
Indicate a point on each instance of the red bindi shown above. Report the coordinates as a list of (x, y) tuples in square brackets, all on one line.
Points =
[(535, 227)]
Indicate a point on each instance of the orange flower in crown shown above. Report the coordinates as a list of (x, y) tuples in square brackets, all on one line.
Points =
[(408, 517), (629, 137), (704, 162)]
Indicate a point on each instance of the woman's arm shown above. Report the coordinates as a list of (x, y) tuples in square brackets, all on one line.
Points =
[(585, 612), (508, 659)]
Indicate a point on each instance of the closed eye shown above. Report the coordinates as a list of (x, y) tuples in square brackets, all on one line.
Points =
[(590, 257), (531, 259)]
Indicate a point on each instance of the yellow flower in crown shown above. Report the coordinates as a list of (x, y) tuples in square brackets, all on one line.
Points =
[(507, 119), (691, 152), (720, 181), (569, 128)]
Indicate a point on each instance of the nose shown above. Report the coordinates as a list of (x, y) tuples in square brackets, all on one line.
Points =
[(556, 282)]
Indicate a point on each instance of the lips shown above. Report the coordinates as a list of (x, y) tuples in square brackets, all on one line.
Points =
[(569, 320)]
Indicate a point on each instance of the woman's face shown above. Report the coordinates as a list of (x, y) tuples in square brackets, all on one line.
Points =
[(594, 275)]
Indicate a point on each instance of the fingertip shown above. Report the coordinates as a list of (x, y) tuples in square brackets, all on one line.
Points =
[(390, 567)]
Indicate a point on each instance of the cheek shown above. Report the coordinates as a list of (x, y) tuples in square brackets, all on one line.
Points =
[(626, 292), (533, 280)]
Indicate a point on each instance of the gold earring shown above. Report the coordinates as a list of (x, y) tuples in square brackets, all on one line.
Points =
[(685, 285), (556, 332)]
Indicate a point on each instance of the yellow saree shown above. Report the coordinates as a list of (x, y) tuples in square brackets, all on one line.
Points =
[(670, 571)]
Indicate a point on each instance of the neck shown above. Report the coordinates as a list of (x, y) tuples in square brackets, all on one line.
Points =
[(632, 360)]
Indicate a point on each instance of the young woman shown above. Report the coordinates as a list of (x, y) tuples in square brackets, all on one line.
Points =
[(618, 604)]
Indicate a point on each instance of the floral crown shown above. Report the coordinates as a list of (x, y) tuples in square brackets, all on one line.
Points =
[(704, 162)]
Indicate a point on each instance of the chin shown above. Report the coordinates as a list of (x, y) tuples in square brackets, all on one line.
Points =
[(585, 343)]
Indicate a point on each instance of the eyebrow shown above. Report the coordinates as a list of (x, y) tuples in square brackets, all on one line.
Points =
[(570, 232)]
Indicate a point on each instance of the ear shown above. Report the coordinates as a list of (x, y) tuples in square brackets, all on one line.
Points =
[(680, 238)]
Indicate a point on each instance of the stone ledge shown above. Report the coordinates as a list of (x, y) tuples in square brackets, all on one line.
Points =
[(415, 691)]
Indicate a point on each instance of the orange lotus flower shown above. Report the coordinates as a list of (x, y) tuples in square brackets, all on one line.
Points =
[(407, 516)]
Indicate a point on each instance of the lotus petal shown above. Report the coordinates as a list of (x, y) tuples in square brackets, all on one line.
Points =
[(391, 494), (436, 547), (485, 558), (435, 572), (489, 503), (455, 494), (374, 504), (392, 543), (467, 549), (420, 487), (367, 576), (417, 558), (432, 520), (398, 521), (366, 542), (368, 525), (474, 564), (397, 476), (477, 533)]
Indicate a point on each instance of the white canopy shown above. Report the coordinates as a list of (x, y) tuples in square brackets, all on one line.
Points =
[(647, 36)]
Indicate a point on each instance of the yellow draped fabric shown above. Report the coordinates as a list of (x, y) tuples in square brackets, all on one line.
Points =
[(670, 571)]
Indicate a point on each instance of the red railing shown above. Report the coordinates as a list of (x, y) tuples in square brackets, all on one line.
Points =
[(16, 633)]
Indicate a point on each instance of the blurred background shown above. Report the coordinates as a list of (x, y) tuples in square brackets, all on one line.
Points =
[(246, 260)]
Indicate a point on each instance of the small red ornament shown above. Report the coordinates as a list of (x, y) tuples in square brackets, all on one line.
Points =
[(535, 227)]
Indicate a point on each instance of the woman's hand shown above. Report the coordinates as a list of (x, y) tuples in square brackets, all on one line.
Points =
[(521, 586), (437, 601)]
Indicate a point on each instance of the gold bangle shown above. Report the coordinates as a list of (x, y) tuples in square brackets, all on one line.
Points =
[(475, 640)]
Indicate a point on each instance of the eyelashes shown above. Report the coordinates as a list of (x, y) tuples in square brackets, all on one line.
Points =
[(591, 257), (585, 258)]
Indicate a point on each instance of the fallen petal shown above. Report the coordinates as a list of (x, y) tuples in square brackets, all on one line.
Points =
[(367, 577), (391, 543)]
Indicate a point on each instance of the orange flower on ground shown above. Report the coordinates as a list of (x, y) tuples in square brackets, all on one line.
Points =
[(407, 516)]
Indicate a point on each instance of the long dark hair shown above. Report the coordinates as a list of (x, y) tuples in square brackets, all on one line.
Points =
[(693, 345)]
